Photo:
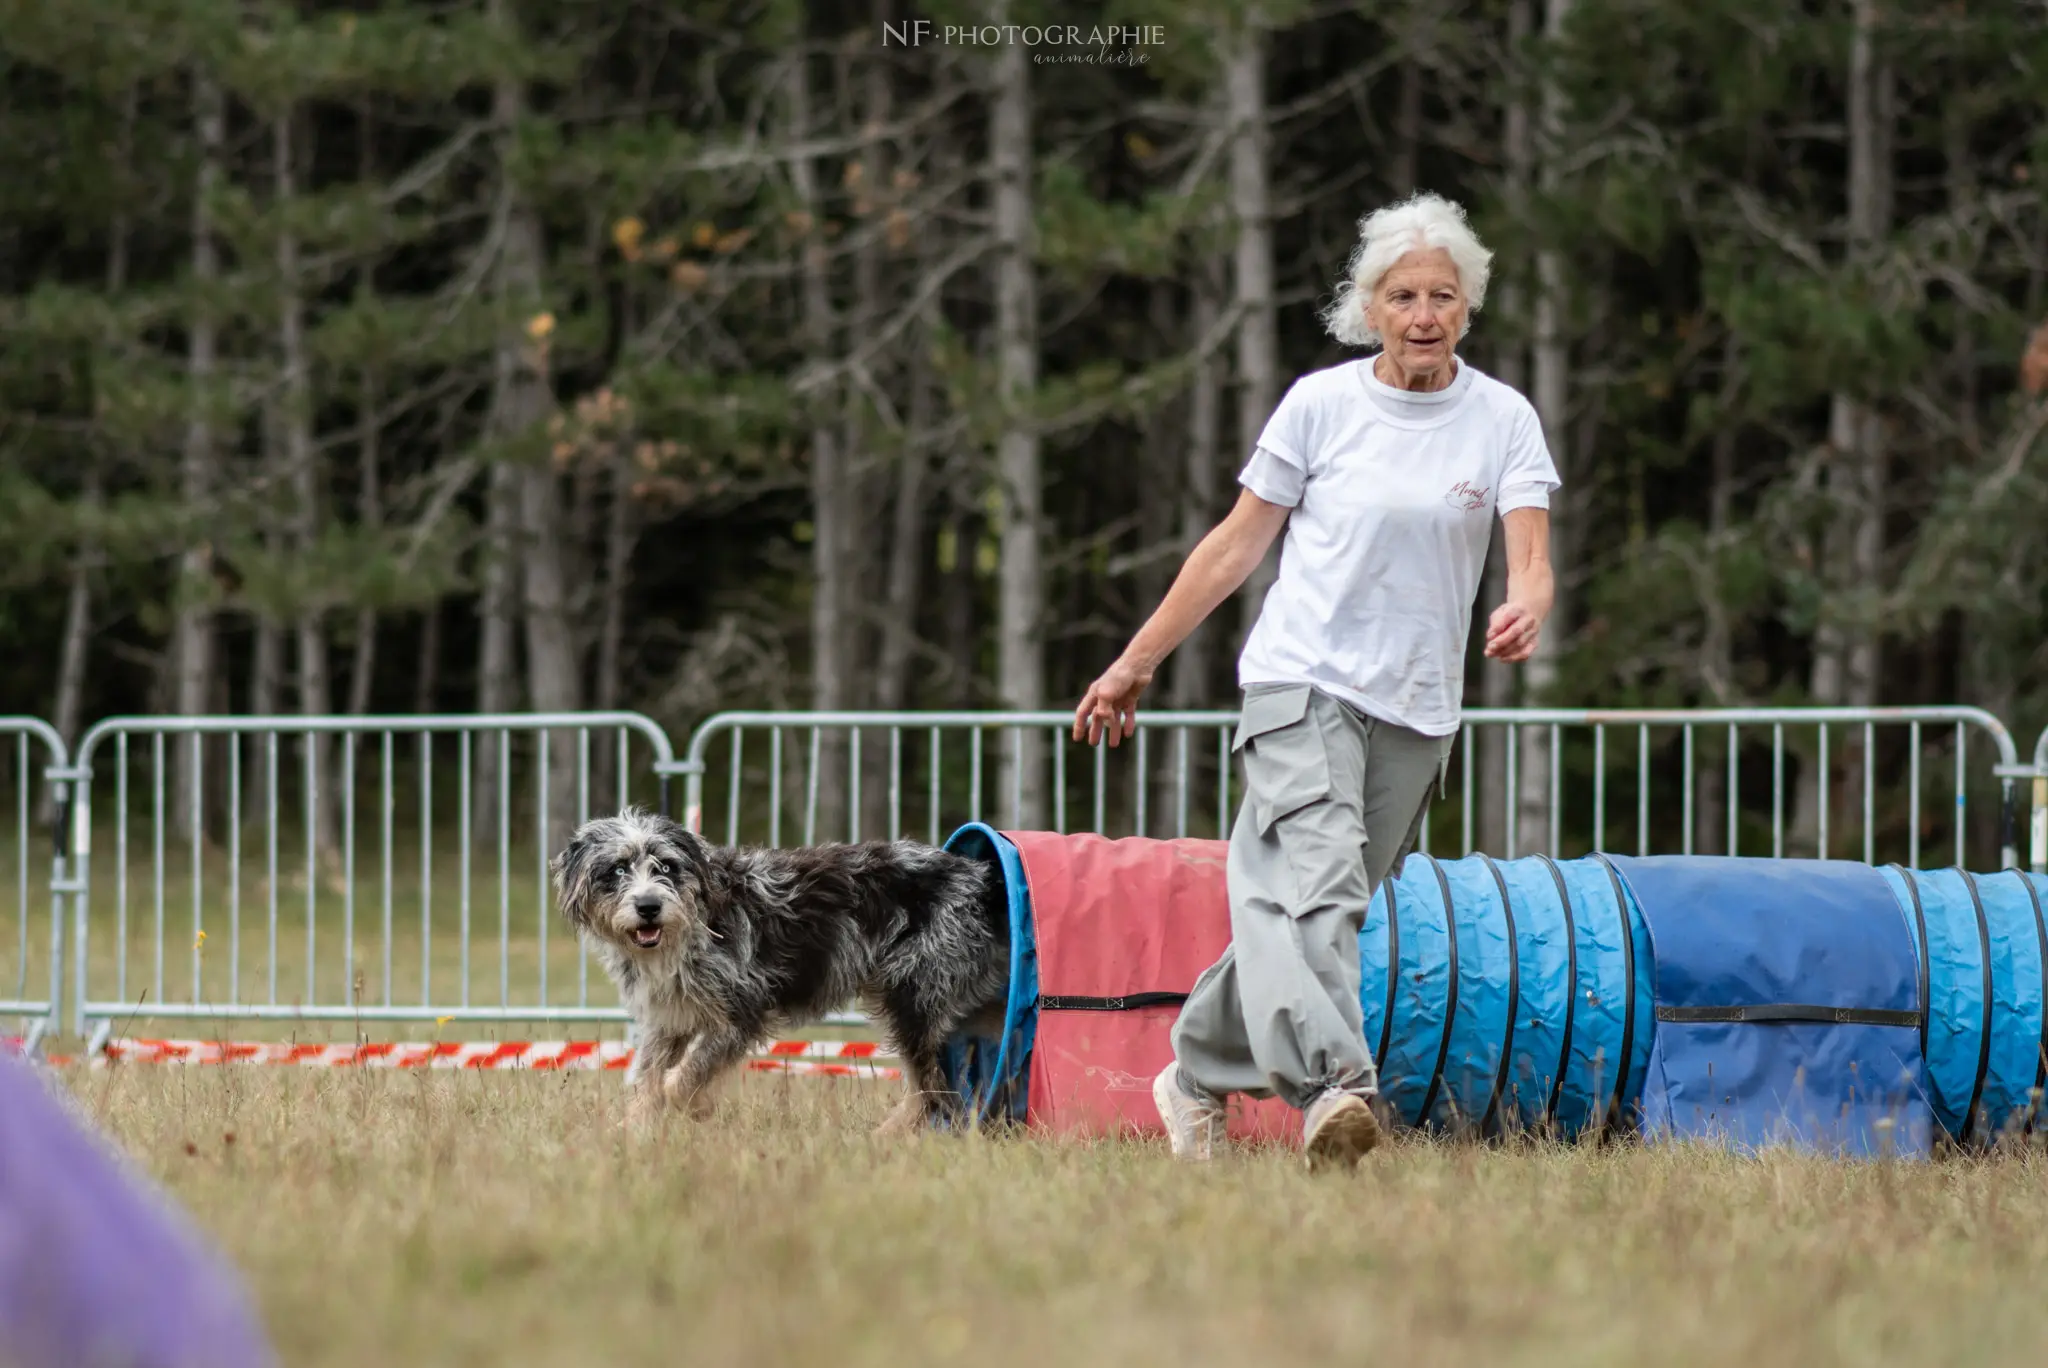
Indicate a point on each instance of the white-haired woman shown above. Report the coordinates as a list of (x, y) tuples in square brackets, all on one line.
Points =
[(1386, 473)]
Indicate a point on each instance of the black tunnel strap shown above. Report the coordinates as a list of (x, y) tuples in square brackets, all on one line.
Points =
[(2041, 939), (1984, 1049), (1571, 999), (1628, 997), (1379, 1057), (1488, 1124), (1128, 1002), (1443, 1052), (1920, 937), (1765, 1012)]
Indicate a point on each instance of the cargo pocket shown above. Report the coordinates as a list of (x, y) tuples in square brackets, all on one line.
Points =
[(1285, 766), (1408, 842), (1414, 836)]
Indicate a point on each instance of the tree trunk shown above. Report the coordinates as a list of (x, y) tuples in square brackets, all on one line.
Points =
[(520, 408), (1551, 365), (907, 547), (78, 620), (1020, 609), (194, 631), (1490, 797), (369, 490), (370, 510), (1717, 645), (1193, 673), (302, 464), (1844, 671), (497, 679), (620, 534), (621, 531), (427, 681), (1402, 173), (831, 601), (68, 713), (963, 647), (1258, 336), (874, 496)]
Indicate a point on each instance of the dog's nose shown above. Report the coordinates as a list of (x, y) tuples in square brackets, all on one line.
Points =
[(648, 908)]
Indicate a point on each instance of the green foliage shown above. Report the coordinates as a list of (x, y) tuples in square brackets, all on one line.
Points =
[(1693, 194)]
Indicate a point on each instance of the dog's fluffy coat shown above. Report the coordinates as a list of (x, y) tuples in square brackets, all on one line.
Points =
[(714, 948)]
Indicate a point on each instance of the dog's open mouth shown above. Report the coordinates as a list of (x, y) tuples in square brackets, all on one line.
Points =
[(646, 937)]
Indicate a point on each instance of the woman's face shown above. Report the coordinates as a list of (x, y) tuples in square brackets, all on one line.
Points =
[(1418, 308)]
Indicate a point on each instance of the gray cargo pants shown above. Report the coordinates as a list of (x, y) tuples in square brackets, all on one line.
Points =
[(1333, 800)]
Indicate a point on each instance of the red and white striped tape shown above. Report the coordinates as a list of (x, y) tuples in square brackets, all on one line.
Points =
[(842, 1058)]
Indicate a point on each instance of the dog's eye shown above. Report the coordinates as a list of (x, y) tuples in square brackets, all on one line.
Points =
[(620, 872)]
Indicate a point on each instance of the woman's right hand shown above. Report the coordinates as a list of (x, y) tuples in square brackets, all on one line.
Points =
[(1110, 707)]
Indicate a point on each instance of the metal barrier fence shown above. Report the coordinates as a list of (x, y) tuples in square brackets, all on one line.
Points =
[(266, 895), (2037, 854), (225, 869), (32, 755), (851, 774)]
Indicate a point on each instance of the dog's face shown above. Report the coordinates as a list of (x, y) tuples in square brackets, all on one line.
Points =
[(636, 880)]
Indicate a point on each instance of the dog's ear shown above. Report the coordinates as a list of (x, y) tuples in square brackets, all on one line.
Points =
[(670, 830), (571, 870)]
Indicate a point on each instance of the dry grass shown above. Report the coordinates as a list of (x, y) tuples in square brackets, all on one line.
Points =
[(493, 1219)]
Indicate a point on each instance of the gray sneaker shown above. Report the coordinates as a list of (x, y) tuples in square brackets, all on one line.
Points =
[(1338, 1130), (1194, 1121)]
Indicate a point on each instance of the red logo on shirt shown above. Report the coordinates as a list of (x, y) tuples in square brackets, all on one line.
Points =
[(1466, 497)]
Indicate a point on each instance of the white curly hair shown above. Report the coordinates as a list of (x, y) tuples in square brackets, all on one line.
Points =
[(1420, 222)]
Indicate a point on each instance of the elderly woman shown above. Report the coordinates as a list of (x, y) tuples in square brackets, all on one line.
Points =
[(1385, 472)]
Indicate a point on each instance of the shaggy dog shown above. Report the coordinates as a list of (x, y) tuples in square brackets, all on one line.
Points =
[(715, 949)]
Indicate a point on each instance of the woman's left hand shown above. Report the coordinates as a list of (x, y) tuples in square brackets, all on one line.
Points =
[(1512, 631)]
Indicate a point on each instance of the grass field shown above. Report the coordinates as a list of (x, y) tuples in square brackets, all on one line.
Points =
[(502, 1219)]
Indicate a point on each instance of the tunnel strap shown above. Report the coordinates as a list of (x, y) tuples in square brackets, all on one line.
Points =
[(1128, 1002), (1790, 1011)]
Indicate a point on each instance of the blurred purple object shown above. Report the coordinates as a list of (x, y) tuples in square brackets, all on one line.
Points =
[(97, 1268)]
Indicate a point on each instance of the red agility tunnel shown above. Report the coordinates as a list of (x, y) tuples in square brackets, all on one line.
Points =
[(1112, 974), (1110, 937)]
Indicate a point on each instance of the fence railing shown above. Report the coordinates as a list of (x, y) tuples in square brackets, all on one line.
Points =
[(1834, 782), (341, 868), (2037, 842), (34, 758), (224, 869)]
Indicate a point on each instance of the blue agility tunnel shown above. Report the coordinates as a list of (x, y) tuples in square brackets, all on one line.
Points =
[(1981, 953), (1823, 1004)]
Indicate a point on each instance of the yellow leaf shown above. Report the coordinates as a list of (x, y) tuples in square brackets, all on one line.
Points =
[(688, 275), (540, 325), (1139, 146), (703, 234), (200, 941), (729, 243), (627, 233), (443, 1020)]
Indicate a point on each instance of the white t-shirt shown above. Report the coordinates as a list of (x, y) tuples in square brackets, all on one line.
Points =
[(1393, 495)]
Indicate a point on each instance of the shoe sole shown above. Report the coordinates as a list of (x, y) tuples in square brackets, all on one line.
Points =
[(1162, 1102), (1344, 1138)]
